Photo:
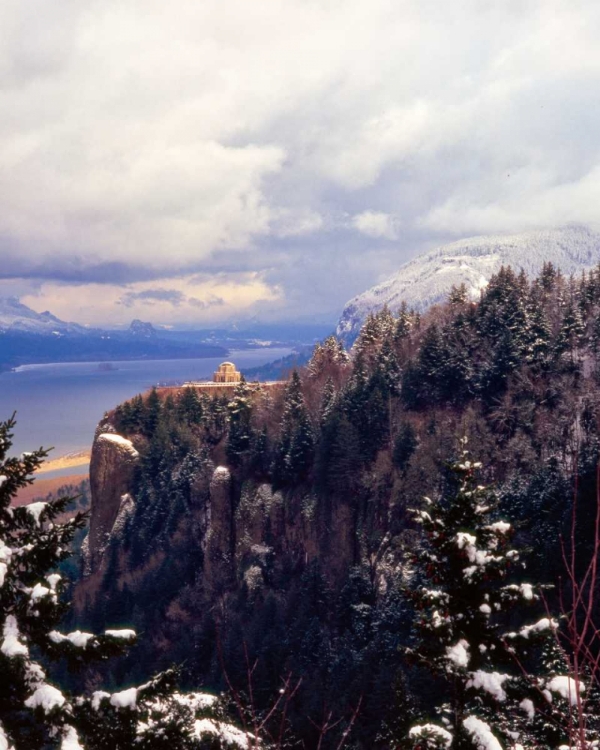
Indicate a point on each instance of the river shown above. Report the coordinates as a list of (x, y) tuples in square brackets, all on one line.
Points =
[(59, 405)]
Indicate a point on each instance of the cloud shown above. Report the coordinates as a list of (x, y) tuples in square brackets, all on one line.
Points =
[(200, 139), (151, 296), (186, 299), (376, 224)]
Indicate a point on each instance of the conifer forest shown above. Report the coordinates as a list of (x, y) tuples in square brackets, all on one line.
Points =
[(396, 548)]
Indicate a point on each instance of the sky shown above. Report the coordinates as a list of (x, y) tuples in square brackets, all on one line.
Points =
[(213, 161)]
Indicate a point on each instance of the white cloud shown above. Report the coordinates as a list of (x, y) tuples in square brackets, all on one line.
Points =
[(176, 300), (155, 143), (376, 224)]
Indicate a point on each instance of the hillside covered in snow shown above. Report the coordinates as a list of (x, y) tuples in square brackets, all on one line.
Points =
[(17, 317), (427, 279)]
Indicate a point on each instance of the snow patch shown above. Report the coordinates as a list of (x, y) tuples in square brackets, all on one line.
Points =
[(527, 706), (459, 653), (226, 732), (77, 638), (119, 440), (538, 627), (124, 699), (489, 682), (70, 740), (424, 731), (11, 646), (124, 634), (566, 687), (46, 697), (481, 734), (35, 510)]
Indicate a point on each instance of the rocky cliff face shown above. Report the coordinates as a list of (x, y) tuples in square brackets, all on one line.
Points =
[(246, 531), (112, 464)]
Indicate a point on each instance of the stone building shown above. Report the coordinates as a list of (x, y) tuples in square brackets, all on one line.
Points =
[(226, 373)]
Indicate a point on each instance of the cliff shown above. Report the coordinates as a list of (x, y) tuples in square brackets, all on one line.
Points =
[(271, 527)]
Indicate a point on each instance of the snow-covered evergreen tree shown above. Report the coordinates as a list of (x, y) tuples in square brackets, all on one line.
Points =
[(240, 434), (507, 684), (295, 452), (326, 355), (35, 712)]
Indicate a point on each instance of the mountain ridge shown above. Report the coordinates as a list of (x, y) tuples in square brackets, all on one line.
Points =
[(427, 279)]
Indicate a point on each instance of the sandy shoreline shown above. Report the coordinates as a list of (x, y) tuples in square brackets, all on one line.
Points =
[(42, 487), (68, 461)]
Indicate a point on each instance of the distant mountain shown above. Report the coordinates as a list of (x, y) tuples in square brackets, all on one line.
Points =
[(28, 337), (427, 279), (141, 330), (16, 317)]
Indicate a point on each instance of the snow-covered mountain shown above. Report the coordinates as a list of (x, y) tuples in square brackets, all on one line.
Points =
[(428, 278), (16, 317)]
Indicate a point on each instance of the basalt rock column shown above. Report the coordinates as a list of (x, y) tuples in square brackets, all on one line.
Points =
[(112, 465)]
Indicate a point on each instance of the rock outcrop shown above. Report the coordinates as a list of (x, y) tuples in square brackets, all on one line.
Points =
[(112, 465)]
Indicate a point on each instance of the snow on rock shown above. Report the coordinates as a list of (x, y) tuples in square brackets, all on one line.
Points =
[(126, 510), (77, 638), (425, 731), (489, 682), (46, 697), (481, 734), (3, 572), (566, 687), (459, 653), (124, 699), (221, 474), (120, 441), (123, 634), (35, 510), (224, 731), (70, 740), (427, 279), (11, 646)]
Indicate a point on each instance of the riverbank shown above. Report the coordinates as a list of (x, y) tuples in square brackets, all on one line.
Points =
[(68, 461)]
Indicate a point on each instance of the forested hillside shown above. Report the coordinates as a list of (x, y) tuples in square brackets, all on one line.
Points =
[(275, 525)]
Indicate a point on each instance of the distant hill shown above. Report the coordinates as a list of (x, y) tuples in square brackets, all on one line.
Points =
[(28, 337), (15, 317), (427, 279)]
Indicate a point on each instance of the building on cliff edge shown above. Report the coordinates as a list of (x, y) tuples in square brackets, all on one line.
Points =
[(225, 378)]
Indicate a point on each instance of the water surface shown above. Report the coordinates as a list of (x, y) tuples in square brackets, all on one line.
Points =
[(59, 405)]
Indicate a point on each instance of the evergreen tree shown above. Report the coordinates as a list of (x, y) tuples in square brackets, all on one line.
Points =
[(458, 294), (240, 433), (404, 323), (572, 330), (505, 687), (36, 714), (295, 452), (404, 446), (151, 414), (330, 353)]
